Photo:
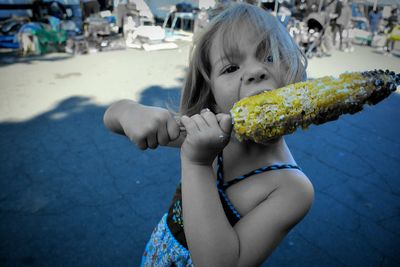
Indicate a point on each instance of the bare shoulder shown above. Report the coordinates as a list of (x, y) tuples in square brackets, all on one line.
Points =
[(296, 189), (263, 228), (297, 181)]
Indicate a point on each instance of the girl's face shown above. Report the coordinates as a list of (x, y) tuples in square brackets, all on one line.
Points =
[(245, 72)]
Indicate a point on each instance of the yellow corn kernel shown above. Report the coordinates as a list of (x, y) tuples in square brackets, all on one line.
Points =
[(278, 112)]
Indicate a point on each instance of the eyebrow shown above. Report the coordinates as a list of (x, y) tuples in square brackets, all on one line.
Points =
[(239, 56), (261, 51)]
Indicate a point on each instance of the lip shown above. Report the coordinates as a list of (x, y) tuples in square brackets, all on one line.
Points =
[(258, 92)]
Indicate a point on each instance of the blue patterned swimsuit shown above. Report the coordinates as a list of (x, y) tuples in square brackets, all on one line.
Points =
[(167, 245)]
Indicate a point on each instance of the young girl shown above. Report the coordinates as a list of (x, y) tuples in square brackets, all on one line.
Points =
[(236, 200)]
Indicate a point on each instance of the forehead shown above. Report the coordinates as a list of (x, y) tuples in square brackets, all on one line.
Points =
[(229, 42)]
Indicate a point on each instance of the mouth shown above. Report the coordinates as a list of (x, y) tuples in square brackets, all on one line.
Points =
[(248, 92), (258, 92)]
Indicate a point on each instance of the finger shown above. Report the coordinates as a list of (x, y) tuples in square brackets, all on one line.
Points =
[(141, 143), (137, 139), (225, 122), (173, 129), (189, 124), (210, 119), (204, 110), (200, 121), (162, 135), (152, 141)]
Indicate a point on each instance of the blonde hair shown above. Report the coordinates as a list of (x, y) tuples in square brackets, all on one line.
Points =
[(272, 38)]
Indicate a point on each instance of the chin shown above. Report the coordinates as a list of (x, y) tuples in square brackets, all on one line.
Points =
[(273, 140), (265, 143)]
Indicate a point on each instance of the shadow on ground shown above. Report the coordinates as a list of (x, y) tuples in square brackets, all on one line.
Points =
[(12, 57), (73, 194)]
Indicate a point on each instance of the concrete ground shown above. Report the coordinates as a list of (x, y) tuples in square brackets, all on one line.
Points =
[(73, 194)]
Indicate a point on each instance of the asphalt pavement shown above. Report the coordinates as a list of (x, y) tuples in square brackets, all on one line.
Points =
[(74, 194)]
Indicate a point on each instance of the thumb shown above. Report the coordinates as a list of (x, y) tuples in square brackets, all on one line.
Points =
[(225, 122), (173, 129)]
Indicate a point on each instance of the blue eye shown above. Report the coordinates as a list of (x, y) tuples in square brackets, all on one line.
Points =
[(270, 59)]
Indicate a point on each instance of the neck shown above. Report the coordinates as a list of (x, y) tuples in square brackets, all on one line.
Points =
[(241, 157), (275, 147)]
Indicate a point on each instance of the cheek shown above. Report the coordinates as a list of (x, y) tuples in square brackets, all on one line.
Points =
[(225, 94)]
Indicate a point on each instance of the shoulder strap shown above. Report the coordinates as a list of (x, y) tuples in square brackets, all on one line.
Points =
[(220, 170), (232, 214), (224, 186), (259, 170)]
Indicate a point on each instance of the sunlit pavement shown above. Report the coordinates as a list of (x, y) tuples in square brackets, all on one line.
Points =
[(73, 194)]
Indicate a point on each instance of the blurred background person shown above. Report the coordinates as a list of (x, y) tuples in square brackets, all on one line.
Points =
[(392, 30), (341, 22), (375, 17), (392, 20)]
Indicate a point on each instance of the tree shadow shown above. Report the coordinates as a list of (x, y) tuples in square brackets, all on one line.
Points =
[(8, 58), (74, 194), (161, 97)]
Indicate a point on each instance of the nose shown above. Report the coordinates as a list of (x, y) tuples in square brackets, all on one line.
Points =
[(255, 75)]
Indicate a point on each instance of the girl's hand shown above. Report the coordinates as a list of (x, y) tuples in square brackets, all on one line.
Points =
[(206, 135), (147, 127)]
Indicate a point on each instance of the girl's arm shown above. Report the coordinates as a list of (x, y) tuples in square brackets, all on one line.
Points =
[(146, 126), (211, 239)]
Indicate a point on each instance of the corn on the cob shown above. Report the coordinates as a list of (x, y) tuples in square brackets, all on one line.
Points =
[(279, 112)]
